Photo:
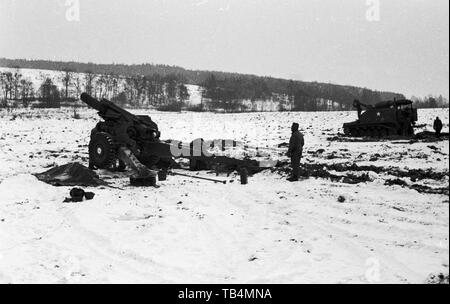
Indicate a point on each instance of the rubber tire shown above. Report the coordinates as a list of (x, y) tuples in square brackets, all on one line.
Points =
[(410, 131), (380, 133), (102, 152)]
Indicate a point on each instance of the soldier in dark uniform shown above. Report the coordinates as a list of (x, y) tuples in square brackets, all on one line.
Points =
[(437, 126), (296, 144)]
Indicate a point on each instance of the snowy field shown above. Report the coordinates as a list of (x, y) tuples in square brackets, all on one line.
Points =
[(269, 231)]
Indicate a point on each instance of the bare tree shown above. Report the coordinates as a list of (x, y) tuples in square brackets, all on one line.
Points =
[(50, 94), (155, 89), (78, 84), (104, 84), (7, 80), (66, 79), (108, 82), (135, 88), (130, 90), (16, 77), (183, 93), (27, 91), (115, 82), (90, 82), (3, 88)]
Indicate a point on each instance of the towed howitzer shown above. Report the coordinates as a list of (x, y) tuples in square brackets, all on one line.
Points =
[(120, 128), (123, 138)]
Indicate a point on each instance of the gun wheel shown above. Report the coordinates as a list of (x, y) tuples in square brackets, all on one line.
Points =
[(102, 152)]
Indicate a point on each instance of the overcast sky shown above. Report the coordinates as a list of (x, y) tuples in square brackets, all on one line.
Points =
[(406, 51)]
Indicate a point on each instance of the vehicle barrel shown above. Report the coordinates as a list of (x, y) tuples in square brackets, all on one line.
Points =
[(92, 102)]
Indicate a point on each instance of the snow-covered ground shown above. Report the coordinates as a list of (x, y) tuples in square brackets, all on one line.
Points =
[(269, 231)]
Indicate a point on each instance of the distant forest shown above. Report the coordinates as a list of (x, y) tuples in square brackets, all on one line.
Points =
[(164, 87)]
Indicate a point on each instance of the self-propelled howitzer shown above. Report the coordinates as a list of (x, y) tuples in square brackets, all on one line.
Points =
[(388, 118)]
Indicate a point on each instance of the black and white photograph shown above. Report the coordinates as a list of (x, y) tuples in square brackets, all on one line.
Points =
[(226, 142)]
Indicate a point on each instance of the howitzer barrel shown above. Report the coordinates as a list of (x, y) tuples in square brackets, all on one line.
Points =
[(104, 106), (92, 102)]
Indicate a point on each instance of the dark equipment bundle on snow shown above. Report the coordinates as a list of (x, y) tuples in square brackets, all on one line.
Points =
[(386, 118), (78, 195), (72, 174)]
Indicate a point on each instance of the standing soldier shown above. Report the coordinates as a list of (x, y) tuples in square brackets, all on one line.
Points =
[(295, 151), (437, 126)]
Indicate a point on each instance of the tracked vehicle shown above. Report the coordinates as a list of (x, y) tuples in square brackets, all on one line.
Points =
[(383, 119)]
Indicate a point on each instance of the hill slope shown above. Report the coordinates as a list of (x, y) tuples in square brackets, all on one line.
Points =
[(224, 87)]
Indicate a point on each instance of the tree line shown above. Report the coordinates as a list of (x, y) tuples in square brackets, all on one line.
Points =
[(164, 93), (164, 87), (430, 101), (228, 92)]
